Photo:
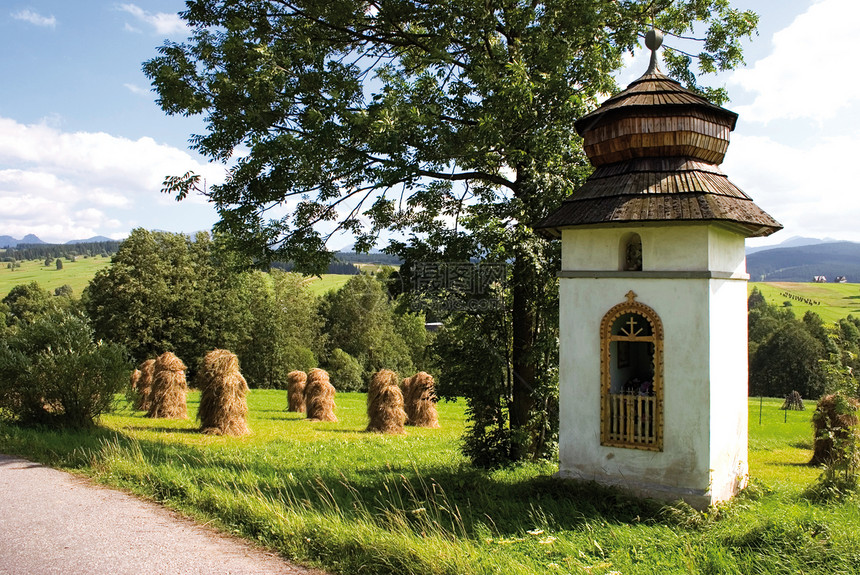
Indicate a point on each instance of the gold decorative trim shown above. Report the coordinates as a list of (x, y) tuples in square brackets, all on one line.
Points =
[(642, 427)]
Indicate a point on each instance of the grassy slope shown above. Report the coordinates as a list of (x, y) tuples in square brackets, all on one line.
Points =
[(837, 300), (332, 495), (77, 274), (326, 283)]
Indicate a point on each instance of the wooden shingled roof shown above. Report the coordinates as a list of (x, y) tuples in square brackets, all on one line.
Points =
[(652, 89), (660, 189), (656, 147)]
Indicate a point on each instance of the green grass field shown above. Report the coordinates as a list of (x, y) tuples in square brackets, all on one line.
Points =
[(77, 274), (331, 495), (836, 300), (326, 283)]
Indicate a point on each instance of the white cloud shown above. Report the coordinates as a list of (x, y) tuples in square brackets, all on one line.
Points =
[(61, 185), (808, 74), (137, 90), (35, 18), (810, 188), (164, 23)]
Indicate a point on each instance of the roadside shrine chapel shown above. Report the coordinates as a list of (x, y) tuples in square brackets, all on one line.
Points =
[(653, 290)]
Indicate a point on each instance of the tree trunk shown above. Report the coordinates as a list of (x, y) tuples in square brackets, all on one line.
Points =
[(523, 312)]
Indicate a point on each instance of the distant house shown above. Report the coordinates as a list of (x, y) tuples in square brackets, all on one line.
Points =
[(841, 280), (819, 279)]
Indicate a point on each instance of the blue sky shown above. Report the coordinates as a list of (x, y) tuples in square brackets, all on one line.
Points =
[(84, 147)]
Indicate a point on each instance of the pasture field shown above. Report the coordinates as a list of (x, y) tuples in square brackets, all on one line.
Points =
[(77, 274), (326, 283), (834, 301), (331, 495)]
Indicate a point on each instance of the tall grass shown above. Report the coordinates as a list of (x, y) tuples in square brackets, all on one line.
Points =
[(330, 495)]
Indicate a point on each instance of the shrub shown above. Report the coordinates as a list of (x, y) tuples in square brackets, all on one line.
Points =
[(837, 445), (52, 373), (345, 371)]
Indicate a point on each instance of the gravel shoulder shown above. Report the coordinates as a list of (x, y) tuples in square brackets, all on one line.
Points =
[(55, 522)]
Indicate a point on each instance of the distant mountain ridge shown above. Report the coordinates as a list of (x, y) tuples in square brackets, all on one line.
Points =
[(32, 239), (802, 263), (792, 242)]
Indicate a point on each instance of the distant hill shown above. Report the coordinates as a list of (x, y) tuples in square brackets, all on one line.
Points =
[(792, 242), (802, 263), (91, 240), (10, 242)]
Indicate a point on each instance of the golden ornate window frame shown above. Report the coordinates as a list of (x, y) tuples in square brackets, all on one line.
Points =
[(654, 440)]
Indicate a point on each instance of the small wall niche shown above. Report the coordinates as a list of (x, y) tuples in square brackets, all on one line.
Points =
[(630, 253)]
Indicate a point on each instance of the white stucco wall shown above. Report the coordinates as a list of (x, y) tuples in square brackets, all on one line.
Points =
[(665, 248), (705, 361), (729, 388)]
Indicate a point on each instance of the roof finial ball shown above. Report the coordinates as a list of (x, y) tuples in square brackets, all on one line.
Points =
[(653, 40)]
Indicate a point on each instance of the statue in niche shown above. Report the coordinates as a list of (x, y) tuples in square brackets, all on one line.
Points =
[(633, 255)]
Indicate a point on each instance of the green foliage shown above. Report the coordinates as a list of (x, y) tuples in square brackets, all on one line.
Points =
[(806, 356), (59, 264), (345, 373), (837, 426), (167, 292), (52, 373), (755, 299), (360, 320), (278, 323), (26, 302)]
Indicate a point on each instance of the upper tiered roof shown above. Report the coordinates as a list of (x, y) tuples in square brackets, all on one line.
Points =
[(656, 148)]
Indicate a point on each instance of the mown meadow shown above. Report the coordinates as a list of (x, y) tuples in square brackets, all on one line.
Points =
[(331, 495), (832, 301), (77, 274)]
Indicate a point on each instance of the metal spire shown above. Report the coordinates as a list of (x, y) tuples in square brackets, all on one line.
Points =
[(653, 40)]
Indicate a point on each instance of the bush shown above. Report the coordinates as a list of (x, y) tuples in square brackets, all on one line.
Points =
[(345, 372), (837, 445), (52, 373)]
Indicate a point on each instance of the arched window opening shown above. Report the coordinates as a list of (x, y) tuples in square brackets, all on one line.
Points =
[(631, 411), (631, 253)]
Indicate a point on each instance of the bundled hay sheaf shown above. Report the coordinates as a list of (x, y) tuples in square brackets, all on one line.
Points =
[(793, 401), (419, 397), (223, 391), (296, 381), (169, 388), (385, 403), (319, 396), (143, 385), (835, 417)]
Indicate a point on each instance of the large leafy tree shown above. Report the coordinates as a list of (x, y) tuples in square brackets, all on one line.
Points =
[(437, 117)]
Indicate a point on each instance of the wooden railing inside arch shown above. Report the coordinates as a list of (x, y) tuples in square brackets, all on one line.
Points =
[(633, 419)]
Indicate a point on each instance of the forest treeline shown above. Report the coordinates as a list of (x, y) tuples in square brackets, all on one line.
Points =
[(54, 251)]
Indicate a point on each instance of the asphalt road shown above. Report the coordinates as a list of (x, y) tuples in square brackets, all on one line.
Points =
[(52, 522)]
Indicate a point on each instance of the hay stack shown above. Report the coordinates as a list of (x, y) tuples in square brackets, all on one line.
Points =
[(143, 385), (829, 424), (319, 396), (223, 407), (419, 396), (793, 401), (168, 388), (385, 403), (296, 381)]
